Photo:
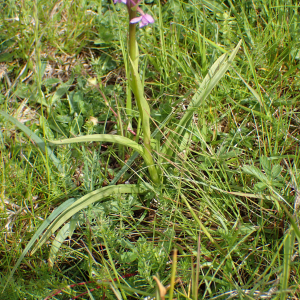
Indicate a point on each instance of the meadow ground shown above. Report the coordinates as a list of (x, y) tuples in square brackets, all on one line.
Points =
[(228, 202)]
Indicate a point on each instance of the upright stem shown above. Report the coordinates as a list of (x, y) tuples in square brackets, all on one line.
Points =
[(132, 40), (138, 92), (132, 54)]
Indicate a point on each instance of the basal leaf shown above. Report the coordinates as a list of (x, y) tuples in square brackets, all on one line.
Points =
[(44, 225), (56, 244), (83, 202), (110, 138)]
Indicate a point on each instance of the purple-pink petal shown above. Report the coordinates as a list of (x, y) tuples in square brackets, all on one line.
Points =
[(136, 20), (120, 1), (146, 19)]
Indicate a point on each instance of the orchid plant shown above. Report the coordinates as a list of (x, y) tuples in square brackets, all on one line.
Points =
[(135, 82), (68, 209), (138, 91)]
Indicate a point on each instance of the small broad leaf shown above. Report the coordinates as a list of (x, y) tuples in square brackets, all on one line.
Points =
[(260, 186), (252, 170), (214, 6), (129, 257), (276, 170), (266, 164), (62, 90), (231, 154), (51, 81), (67, 210)]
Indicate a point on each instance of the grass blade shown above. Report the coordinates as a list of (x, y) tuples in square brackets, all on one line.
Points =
[(44, 225), (36, 139), (287, 254)]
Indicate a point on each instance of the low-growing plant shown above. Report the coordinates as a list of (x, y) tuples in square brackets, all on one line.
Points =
[(211, 194), (155, 156)]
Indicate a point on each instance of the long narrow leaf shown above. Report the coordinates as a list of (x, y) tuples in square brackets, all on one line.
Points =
[(84, 202), (110, 138), (288, 249), (44, 225), (143, 106), (216, 72), (59, 239)]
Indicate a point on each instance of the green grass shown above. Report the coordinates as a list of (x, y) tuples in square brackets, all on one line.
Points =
[(230, 200)]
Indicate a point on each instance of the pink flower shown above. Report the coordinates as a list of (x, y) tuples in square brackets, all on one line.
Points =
[(144, 20), (125, 2)]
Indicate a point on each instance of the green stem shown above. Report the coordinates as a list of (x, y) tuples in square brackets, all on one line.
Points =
[(132, 41), (138, 91), (133, 55)]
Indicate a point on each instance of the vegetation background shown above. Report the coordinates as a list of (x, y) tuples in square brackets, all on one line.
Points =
[(62, 74)]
